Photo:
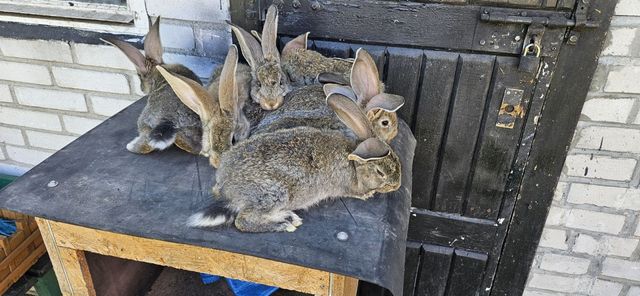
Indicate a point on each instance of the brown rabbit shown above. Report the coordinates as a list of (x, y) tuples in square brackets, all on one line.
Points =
[(304, 66), (367, 89), (164, 120), (263, 179), (220, 108), (269, 84)]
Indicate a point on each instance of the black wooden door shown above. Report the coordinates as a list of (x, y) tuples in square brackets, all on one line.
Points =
[(473, 111)]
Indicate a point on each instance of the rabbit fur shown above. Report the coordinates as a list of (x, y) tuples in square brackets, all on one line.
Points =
[(164, 120), (263, 179)]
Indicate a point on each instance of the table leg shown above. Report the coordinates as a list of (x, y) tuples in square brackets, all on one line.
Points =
[(69, 265), (343, 285)]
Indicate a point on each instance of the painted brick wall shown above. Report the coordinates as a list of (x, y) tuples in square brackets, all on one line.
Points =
[(53, 91), (590, 244)]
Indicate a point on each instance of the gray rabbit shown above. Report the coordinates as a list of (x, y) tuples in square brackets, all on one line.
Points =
[(264, 179), (219, 107), (269, 83), (164, 120)]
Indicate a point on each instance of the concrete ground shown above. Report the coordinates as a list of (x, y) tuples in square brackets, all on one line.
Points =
[(173, 282)]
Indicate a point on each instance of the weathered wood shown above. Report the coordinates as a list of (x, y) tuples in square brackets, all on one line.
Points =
[(193, 258), (556, 126), (332, 49), (411, 267), (498, 146), (438, 81), (54, 254), (461, 136), (76, 271), (452, 230), (383, 22), (467, 274), (434, 272), (403, 78)]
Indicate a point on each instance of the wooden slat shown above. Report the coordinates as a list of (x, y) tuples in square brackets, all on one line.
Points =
[(403, 78), (462, 133), (468, 270), (434, 270), (77, 271), (343, 285), (411, 267), (438, 79), (54, 255), (498, 145), (383, 22), (193, 258), (332, 49), (452, 230)]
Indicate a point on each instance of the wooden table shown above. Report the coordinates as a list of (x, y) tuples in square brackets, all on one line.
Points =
[(94, 196)]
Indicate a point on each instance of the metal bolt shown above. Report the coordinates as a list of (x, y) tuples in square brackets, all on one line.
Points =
[(342, 236), (52, 183), (315, 5), (296, 4), (486, 11), (524, 13), (509, 108), (518, 38), (482, 42), (573, 38)]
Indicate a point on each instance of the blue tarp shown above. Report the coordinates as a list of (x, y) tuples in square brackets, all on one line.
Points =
[(7, 227), (241, 288)]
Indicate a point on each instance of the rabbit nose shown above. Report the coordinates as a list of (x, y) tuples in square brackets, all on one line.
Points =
[(270, 105)]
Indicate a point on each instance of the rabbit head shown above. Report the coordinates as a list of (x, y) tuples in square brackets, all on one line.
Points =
[(269, 84), (377, 166), (368, 91), (145, 64), (219, 115)]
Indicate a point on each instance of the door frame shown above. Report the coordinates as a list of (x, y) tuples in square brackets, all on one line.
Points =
[(555, 128)]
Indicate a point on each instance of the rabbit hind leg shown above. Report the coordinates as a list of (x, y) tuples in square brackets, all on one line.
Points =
[(189, 140), (140, 144), (249, 220)]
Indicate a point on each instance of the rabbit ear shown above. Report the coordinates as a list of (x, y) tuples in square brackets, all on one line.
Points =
[(346, 91), (227, 92), (364, 77), (250, 47), (370, 149), (134, 55), (329, 77), (257, 35), (152, 45), (299, 42), (270, 35), (351, 115), (386, 102), (191, 93)]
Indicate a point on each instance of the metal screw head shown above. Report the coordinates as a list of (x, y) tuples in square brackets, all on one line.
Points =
[(315, 5), (518, 38), (296, 4), (573, 38), (509, 108), (342, 236), (52, 183), (482, 42), (524, 13)]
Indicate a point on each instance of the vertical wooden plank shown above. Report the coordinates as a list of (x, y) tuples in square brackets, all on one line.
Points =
[(468, 270), (332, 49), (69, 265), (433, 104), (434, 271), (498, 146), (343, 285), (466, 115), (526, 3), (411, 267), (77, 271), (403, 78)]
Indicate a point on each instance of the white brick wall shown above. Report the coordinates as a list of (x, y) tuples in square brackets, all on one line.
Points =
[(595, 217)]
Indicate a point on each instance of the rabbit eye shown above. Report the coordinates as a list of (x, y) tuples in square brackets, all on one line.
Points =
[(385, 123)]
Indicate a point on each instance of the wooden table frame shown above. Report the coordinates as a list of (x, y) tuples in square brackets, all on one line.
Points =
[(67, 243)]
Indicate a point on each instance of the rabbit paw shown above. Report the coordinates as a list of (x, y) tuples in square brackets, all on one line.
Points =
[(294, 219)]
